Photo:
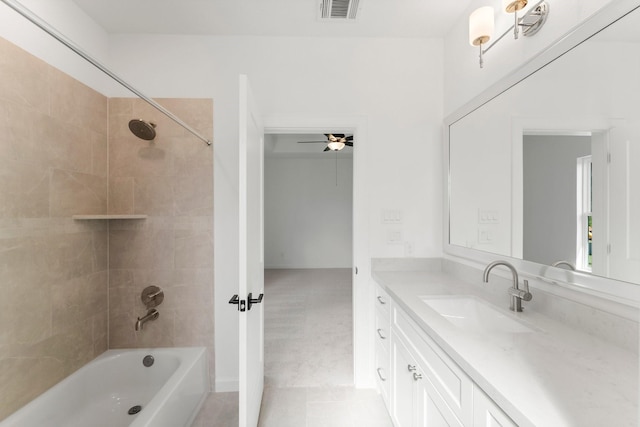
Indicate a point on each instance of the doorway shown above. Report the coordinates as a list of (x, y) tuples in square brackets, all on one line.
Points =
[(363, 343), (308, 204), (309, 311)]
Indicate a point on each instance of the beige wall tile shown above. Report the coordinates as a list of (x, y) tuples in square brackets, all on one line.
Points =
[(121, 195), (35, 376), (141, 249), (194, 192), (24, 190), (24, 78), (77, 193), (100, 154), (193, 249), (153, 195), (53, 310), (74, 103)]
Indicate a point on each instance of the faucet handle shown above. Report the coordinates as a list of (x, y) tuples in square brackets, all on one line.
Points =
[(527, 295), (152, 296), (523, 294)]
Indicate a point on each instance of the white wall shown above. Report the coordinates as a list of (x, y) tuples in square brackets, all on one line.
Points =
[(394, 83), (463, 77), (307, 216)]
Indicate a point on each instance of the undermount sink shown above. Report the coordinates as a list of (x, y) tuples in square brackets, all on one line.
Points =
[(474, 315)]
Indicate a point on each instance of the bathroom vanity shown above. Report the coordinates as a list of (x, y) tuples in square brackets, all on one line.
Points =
[(449, 352), (487, 366)]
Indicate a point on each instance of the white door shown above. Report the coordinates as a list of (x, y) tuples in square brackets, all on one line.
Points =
[(251, 258), (624, 203)]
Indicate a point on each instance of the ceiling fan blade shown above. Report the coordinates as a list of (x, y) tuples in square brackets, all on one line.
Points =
[(312, 142), (349, 143), (326, 149), (338, 135), (349, 138)]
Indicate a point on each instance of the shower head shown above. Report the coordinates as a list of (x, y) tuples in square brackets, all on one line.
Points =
[(142, 129)]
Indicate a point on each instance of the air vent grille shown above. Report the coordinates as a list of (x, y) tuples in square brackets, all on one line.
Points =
[(339, 9)]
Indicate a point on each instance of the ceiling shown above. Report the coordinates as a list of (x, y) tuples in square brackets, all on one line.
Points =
[(297, 18)]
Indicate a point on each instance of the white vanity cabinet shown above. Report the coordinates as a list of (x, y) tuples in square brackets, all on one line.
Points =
[(382, 335), (415, 401), (420, 384), (486, 413)]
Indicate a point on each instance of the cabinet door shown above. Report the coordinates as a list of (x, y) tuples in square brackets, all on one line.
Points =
[(486, 413), (432, 410), (382, 372), (403, 367)]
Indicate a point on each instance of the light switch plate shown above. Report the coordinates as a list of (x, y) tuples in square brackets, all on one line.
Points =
[(488, 216), (391, 216)]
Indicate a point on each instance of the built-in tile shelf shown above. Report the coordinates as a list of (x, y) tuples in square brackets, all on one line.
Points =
[(90, 217)]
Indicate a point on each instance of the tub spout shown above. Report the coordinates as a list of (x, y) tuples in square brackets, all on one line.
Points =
[(152, 314)]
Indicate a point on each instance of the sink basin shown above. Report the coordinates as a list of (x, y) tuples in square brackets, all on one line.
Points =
[(474, 315)]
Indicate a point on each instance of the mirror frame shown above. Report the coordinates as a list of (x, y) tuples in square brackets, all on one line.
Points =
[(554, 280)]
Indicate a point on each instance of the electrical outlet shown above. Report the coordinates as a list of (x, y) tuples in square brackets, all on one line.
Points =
[(485, 235), (488, 216), (394, 237)]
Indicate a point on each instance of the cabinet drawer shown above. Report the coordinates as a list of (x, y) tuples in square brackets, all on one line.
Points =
[(383, 372), (382, 300), (382, 328), (455, 387)]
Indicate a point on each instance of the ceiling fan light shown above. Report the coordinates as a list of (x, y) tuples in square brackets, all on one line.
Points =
[(336, 145)]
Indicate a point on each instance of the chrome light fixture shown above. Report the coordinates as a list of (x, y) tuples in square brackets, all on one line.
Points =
[(481, 23)]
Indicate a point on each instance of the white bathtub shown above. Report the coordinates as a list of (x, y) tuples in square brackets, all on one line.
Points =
[(101, 393)]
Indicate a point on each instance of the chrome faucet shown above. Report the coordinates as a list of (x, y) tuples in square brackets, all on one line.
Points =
[(563, 262), (152, 314), (517, 294)]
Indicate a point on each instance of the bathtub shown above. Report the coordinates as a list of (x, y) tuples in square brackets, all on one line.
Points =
[(101, 393)]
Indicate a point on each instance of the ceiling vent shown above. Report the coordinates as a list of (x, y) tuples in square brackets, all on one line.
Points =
[(339, 9)]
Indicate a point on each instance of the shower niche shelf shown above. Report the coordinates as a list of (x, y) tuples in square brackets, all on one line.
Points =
[(90, 217)]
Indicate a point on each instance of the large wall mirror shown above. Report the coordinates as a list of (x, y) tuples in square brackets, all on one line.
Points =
[(548, 171)]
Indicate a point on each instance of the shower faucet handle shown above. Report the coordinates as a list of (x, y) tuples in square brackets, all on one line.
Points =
[(152, 296)]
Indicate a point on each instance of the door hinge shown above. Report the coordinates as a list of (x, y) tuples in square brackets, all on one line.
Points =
[(356, 270)]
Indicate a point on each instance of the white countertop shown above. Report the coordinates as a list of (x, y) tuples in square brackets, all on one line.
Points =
[(552, 377)]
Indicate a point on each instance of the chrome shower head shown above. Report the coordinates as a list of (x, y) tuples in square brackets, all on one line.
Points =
[(142, 129)]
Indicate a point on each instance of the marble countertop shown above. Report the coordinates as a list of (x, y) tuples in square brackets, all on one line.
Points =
[(554, 376)]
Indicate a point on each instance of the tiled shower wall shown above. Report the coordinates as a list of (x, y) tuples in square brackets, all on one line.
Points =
[(53, 270), (70, 289), (171, 181)]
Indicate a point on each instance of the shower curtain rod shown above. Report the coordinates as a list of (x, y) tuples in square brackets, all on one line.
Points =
[(43, 25)]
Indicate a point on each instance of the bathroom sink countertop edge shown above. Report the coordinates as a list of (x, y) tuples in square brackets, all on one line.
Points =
[(553, 375)]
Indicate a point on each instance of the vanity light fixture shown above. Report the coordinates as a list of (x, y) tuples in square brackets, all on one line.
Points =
[(481, 23)]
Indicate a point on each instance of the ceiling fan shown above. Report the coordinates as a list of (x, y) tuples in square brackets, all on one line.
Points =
[(335, 141)]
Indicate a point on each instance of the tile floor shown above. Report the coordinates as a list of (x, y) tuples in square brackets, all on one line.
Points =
[(219, 410), (308, 358), (309, 353)]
